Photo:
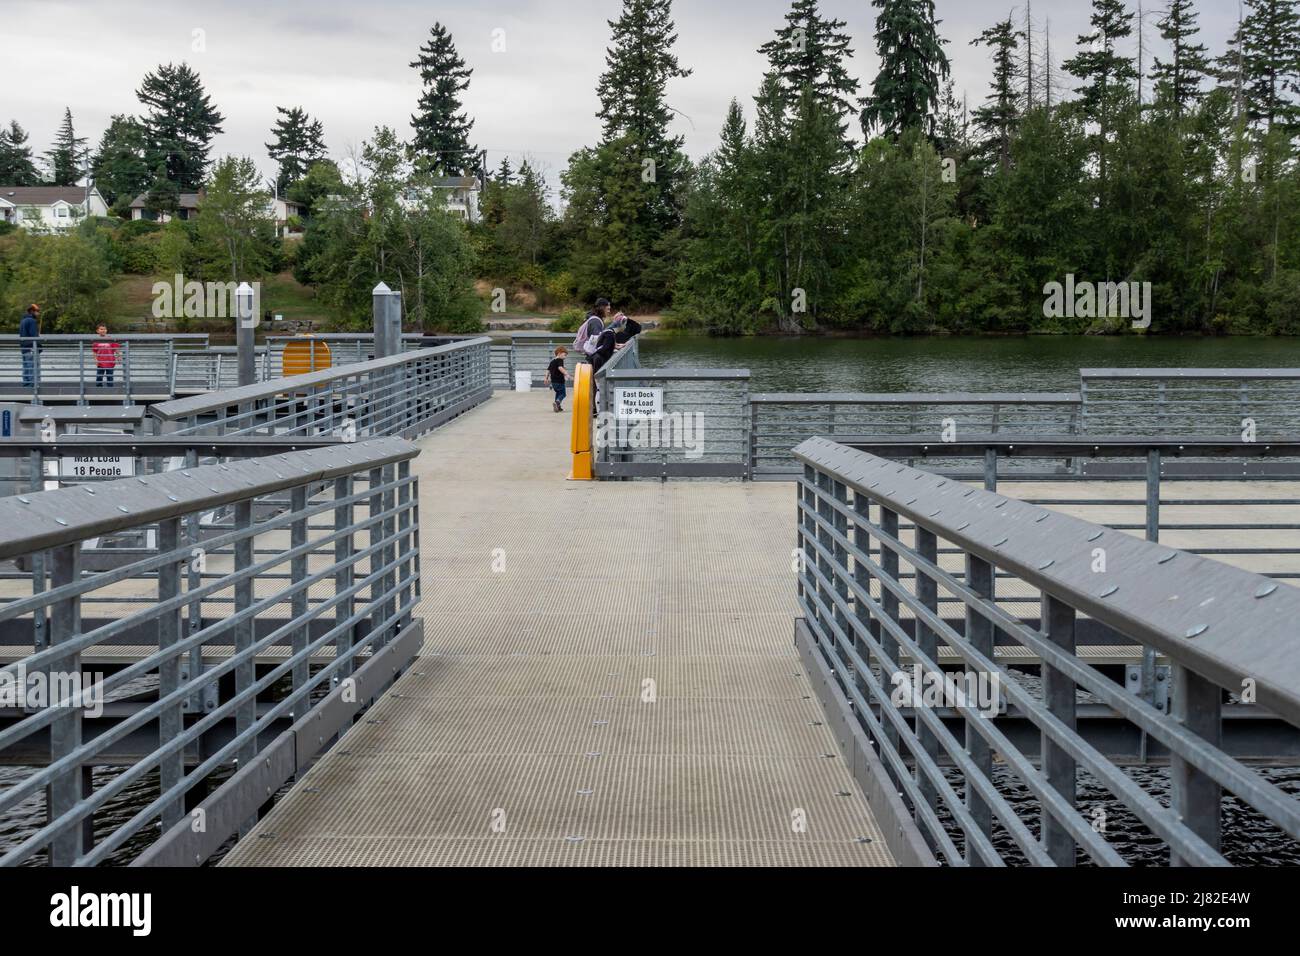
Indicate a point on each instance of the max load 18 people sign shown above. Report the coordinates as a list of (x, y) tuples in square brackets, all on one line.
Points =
[(93, 466)]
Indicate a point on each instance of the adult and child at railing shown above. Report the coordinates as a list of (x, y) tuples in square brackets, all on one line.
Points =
[(104, 349), (598, 338)]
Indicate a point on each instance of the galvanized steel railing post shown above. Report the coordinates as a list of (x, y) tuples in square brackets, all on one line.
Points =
[(1058, 620), (298, 602), (980, 635), (40, 637), (126, 373), (990, 469), (170, 721), (344, 549), (375, 533), (246, 711), (389, 608), (81, 373), (1147, 688), (927, 593), (1196, 797), (409, 568), (889, 604), (64, 792), (196, 703)]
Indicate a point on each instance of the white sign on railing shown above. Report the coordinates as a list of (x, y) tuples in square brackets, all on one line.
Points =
[(639, 403), (92, 466)]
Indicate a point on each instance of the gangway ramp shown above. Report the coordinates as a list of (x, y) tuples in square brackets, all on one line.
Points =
[(608, 678)]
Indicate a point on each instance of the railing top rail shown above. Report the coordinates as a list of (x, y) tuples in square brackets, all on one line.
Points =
[(917, 398), (679, 374), (163, 446), (351, 336), (1074, 446), (211, 401), (1223, 623), (1212, 374), (189, 338), (50, 519), (543, 335), (88, 414)]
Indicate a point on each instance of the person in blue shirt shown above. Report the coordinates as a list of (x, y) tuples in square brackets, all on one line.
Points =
[(29, 330)]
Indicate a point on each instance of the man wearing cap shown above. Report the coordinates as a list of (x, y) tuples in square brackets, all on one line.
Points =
[(29, 330)]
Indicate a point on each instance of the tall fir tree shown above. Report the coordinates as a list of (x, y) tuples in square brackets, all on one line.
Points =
[(441, 145), (625, 196), (120, 167), (180, 123), (913, 66), (67, 157), (998, 117), (1106, 75), (811, 52), (1178, 81), (16, 165), (633, 94), (1271, 60), (299, 141)]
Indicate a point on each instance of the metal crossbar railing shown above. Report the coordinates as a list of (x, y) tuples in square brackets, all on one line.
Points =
[(1224, 630), (702, 429), (781, 421), (253, 646), (1261, 402), (404, 394), (123, 368)]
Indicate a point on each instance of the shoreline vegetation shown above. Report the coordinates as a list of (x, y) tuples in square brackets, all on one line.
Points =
[(1164, 189)]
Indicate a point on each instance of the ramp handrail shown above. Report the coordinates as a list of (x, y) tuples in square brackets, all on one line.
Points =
[(292, 524), (1223, 630), (402, 394)]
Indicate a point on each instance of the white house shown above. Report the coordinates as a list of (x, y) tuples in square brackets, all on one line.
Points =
[(187, 207), (460, 196), (281, 210), (50, 208)]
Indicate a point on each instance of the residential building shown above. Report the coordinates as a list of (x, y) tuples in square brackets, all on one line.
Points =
[(50, 208)]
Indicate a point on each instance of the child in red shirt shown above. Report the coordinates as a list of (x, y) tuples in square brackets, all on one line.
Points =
[(105, 357)]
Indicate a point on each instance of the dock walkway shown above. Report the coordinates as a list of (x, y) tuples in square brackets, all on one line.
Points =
[(608, 677)]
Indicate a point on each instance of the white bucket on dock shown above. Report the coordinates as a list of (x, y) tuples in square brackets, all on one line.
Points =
[(523, 381)]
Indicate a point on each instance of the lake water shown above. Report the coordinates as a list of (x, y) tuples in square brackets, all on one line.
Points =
[(937, 364)]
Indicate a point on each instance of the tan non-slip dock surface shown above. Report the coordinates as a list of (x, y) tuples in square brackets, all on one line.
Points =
[(608, 678)]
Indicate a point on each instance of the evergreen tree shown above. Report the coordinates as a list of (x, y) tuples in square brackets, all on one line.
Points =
[(633, 100), (120, 169), (998, 117), (164, 195), (1106, 75), (905, 94), (1179, 81), (67, 157), (441, 145), (180, 123), (624, 197), (810, 53), (299, 142), (504, 175), (16, 166), (1271, 60)]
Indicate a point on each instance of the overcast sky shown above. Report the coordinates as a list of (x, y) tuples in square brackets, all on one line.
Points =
[(346, 63)]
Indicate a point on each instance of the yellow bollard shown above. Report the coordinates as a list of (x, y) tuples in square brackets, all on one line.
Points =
[(580, 442)]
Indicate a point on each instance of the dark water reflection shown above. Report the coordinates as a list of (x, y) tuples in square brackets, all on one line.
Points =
[(1029, 363)]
